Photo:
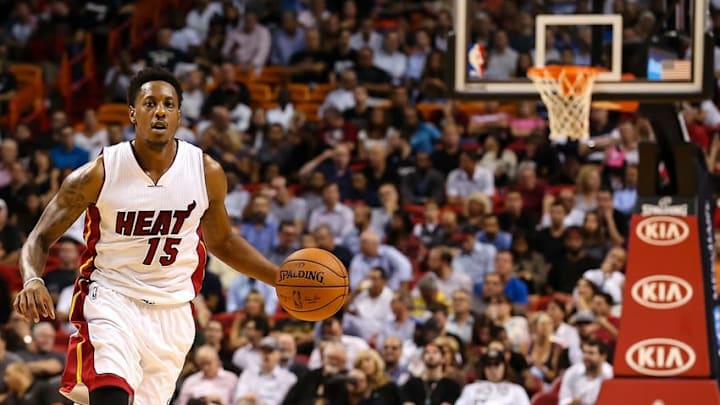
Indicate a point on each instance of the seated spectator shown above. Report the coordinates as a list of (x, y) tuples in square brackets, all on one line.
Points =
[(418, 56), (332, 213), (566, 197), (331, 332), (442, 389), (367, 307), (360, 115), (468, 179), (344, 55), (6, 358), (596, 242), (432, 86), (531, 189), (66, 155), (284, 205), (343, 97), (426, 297), (569, 268), (514, 218), (428, 231), (334, 164), (475, 259), (563, 333), (461, 321), (267, 383), (260, 227), (22, 385), (447, 157), (493, 383), (423, 182), (162, 53), (587, 185), (228, 91), (317, 384), (392, 351), (516, 327), (288, 355), (361, 222), (286, 242), (237, 197), (389, 205), (212, 384), (287, 39), (284, 112), (389, 58), (253, 330), (93, 137), (423, 135), (249, 46), (502, 162), (545, 355), (374, 254), (193, 83), (582, 382), (380, 387), (325, 240), (607, 324), (375, 80), (550, 239), (514, 288), (241, 288), (40, 356), (380, 170), (609, 278), (439, 263), (274, 148), (624, 199), (366, 36), (530, 265), (615, 222), (311, 64), (402, 324), (67, 271), (490, 233)]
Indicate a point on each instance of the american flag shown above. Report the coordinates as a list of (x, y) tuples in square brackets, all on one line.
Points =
[(676, 69)]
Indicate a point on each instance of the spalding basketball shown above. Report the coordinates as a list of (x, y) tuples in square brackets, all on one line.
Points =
[(312, 284)]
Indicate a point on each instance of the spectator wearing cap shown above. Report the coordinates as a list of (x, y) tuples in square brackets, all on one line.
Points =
[(267, 383), (250, 45), (367, 307), (432, 386), (331, 331), (212, 384), (565, 272), (287, 347), (492, 234), (336, 215), (374, 254), (493, 384), (439, 263), (609, 277), (469, 178), (582, 382)]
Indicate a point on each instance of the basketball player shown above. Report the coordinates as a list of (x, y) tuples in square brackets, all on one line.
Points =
[(153, 205)]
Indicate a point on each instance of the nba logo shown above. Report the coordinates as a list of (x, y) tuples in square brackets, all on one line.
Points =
[(93, 293), (476, 61), (297, 299)]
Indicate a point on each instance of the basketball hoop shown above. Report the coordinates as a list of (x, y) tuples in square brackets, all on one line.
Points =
[(566, 91)]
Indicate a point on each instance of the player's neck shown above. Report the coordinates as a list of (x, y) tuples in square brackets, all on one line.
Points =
[(155, 160)]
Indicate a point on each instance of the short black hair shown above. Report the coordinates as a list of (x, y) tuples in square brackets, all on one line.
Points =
[(606, 297), (381, 271), (602, 348), (151, 74)]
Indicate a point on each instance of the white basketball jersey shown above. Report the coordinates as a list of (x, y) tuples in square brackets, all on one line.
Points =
[(143, 239)]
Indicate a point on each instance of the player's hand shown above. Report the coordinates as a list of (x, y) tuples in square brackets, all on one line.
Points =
[(34, 301)]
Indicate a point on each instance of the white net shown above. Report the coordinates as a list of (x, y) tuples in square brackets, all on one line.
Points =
[(566, 91)]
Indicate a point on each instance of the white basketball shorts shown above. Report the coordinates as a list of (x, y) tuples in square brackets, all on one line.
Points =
[(125, 343)]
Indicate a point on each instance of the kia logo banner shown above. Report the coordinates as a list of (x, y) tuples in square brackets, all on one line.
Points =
[(662, 292), (662, 231), (660, 357)]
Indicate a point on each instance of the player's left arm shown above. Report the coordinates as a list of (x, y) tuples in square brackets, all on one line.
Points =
[(219, 238)]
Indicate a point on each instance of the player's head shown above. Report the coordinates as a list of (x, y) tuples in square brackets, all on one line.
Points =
[(154, 98)]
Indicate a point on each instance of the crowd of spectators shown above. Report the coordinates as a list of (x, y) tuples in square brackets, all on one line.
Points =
[(486, 262)]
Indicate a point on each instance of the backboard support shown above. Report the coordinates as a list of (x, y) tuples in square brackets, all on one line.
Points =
[(675, 64)]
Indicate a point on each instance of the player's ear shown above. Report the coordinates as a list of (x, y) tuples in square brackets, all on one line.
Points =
[(132, 115)]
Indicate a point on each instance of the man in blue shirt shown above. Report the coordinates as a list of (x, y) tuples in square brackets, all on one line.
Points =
[(260, 229), (66, 155), (515, 289)]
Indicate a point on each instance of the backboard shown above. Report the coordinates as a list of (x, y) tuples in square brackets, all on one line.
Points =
[(649, 50)]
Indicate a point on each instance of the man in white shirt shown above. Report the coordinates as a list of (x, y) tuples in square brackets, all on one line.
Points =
[(199, 17), (212, 384), (333, 213), (266, 384), (373, 254), (390, 59), (366, 37), (248, 356), (332, 333), (250, 46), (609, 277), (502, 60), (92, 138), (439, 262), (368, 307), (469, 178), (342, 98), (582, 382)]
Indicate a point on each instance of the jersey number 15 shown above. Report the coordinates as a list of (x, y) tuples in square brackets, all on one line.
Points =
[(169, 248)]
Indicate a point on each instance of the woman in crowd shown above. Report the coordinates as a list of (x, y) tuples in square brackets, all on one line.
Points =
[(493, 384)]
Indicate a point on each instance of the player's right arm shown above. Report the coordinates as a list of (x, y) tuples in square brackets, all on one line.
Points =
[(78, 191)]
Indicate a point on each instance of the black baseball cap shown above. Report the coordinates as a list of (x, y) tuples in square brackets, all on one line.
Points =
[(492, 358)]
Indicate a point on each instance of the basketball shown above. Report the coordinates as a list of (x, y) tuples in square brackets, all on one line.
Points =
[(312, 284)]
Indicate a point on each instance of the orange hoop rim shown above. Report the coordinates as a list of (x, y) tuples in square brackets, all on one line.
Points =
[(555, 70)]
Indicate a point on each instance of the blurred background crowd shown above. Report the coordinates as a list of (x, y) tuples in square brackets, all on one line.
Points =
[(486, 262)]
